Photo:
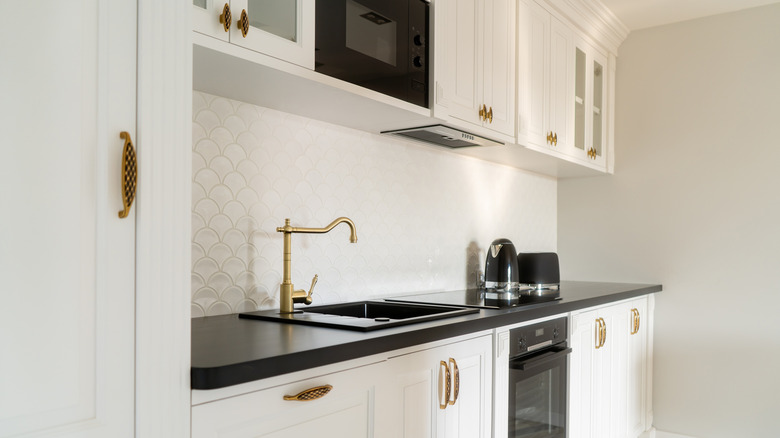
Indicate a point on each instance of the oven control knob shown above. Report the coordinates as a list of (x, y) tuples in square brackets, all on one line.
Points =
[(555, 332), (521, 342), (418, 40), (417, 61)]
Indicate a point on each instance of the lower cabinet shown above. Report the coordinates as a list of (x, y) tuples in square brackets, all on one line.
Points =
[(338, 405), (609, 375), (436, 390), (439, 392)]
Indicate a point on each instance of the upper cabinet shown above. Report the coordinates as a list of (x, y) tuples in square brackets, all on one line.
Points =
[(282, 29), (474, 66), (563, 85)]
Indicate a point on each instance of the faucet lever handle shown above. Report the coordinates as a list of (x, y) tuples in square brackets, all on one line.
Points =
[(311, 289)]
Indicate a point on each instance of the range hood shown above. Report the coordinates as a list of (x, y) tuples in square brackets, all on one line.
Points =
[(444, 136)]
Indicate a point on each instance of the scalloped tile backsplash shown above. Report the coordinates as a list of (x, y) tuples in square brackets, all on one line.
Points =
[(424, 215)]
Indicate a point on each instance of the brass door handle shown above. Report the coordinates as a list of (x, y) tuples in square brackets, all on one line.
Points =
[(226, 17), (456, 372), (598, 333), (129, 174), (635, 321), (482, 112), (243, 23), (604, 339), (592, 153), (555, 139), (310, 394), (446, 385), (489, 115), (549, 137)]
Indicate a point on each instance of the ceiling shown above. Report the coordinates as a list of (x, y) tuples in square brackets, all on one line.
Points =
[(639, 14)]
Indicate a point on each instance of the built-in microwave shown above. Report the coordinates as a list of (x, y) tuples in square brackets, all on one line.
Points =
[(377, 44)]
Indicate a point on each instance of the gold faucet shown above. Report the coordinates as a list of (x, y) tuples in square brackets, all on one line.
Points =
[(288, 294)]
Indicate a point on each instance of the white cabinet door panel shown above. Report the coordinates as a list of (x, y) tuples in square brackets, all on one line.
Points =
[(66, 258)]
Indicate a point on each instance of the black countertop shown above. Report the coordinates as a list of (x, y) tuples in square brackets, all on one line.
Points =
[(227, 350)]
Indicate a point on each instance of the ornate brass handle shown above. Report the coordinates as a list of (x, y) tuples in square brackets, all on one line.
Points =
[(456, 371), (604, 339), (310, 394), (482, 112), (226, 18), (549, 137), (592, 153), (635, 324), (446, 386), (555, 139), (243, 23), (489, 115), (598, 333), (129, 174)]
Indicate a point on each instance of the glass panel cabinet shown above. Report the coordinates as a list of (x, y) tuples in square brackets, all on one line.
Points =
[(282, 29)]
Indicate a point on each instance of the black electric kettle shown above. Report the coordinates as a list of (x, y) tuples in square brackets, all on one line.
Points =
[(501, 271)]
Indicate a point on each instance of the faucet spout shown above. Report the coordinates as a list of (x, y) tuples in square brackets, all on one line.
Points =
[(288, 294)]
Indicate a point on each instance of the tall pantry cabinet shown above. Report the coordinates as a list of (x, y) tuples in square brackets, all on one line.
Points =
[(85, 338)]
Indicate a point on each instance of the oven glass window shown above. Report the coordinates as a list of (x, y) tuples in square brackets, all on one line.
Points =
[(539, 406), (371, 33)]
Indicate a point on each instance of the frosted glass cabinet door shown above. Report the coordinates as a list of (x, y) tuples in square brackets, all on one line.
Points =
[(66, 258), (283, 29)]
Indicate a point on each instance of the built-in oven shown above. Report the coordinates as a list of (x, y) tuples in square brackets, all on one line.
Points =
[(537, 371), (377, 44)]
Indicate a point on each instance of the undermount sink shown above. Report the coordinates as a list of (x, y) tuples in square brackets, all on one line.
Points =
[(361, 315)]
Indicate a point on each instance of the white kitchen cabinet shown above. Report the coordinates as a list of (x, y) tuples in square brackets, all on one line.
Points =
[(282, 29), (475, 63), (336, 405), (67, 322), (417, 402), (608, 371), (563, 89)]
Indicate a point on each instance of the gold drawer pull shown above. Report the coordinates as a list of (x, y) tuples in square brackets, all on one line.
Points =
[(310, 394), (129, 174), (225, 18), (489, 115)]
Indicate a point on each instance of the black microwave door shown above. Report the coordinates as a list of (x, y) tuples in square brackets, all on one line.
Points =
[(368, 43)]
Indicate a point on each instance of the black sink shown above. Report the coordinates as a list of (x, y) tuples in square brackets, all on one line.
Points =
[(361, 315)]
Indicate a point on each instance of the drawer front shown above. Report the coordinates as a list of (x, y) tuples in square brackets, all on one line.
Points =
[(346, 411)]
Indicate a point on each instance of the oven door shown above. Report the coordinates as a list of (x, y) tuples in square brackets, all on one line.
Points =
[(377, 44), (537, 394)]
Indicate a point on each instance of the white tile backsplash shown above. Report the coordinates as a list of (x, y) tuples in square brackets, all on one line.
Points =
[(422, 213)]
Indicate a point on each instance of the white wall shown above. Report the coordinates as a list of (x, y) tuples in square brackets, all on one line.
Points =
[(422, 213), (695, 204)]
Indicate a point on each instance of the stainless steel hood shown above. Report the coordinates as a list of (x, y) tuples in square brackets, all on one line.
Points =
[(444, 136)]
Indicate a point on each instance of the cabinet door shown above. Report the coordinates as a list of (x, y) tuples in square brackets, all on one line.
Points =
[(584, 340), (499, 65), (206, 16), (416, 404), (636, 388), (346, 411), (66, 258), (283, 29), (562, 59), (597, 122), (458, 44), (533, 75)]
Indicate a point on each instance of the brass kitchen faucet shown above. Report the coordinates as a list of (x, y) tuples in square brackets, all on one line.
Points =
[(288, 295)]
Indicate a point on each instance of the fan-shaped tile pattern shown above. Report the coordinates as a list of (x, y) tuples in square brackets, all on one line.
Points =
[(423, 214)]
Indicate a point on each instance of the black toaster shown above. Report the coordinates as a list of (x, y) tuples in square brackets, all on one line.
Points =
[(539, 270)]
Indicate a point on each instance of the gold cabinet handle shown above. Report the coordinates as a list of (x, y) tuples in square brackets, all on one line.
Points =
[(555, 139), (635, 325), (129, 174), (549, 137), (310, 394), (226, 18), (592, 153), (446, 385), (482, 113), (456, 372), (489, 115), (604, 339), (598, 333), (243, 23)]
